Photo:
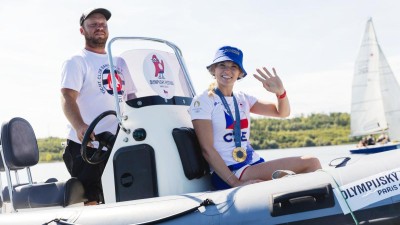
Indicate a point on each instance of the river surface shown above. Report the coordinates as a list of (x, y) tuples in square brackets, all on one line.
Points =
[(326, 154)]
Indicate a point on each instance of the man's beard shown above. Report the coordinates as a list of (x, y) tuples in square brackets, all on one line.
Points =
[(96, 42)]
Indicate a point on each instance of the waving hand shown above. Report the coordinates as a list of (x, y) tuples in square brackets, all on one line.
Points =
[(271, 82)]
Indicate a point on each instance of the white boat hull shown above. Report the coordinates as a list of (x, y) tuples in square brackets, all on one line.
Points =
[(251, 204)]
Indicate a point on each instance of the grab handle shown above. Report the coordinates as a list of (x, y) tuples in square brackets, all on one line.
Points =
[(301, 201)]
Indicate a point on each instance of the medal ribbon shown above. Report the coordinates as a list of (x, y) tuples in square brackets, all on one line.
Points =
[(236, 130)]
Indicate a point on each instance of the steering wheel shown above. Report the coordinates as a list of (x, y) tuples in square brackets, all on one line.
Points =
[(105, 139)]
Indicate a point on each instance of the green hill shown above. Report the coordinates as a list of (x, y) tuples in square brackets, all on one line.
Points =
[(303, 131), (50, 149)]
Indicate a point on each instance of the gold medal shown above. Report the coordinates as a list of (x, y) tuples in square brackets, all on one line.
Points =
[(239, 154)]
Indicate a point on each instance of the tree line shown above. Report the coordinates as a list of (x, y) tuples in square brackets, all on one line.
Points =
[(51, 149), (303, 131)]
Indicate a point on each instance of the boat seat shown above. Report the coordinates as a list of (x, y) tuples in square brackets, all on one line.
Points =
[(6, 196), (193, 163), (20, 149), (5, 193), (46, 194)]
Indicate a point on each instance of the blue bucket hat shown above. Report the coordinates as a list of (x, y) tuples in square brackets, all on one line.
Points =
[(228, 53)]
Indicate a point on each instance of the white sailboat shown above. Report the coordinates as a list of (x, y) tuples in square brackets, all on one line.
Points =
[(375, 106)]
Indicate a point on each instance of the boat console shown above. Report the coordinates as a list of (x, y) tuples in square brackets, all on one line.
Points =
[(145, 160)]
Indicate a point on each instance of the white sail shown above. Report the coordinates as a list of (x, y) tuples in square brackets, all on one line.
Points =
[(390, 91), (367, 115), (374, 107)]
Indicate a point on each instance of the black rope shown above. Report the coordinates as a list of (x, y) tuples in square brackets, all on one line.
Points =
[(340, 163), (205, 203), (59, 221)]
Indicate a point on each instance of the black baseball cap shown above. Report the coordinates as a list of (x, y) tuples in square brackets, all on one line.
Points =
[(85, 15)]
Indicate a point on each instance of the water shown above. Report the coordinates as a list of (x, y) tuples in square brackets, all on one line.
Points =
[(43, 171), (325, 153)]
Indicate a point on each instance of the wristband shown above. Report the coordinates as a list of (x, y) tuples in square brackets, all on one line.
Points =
[(282, 95)]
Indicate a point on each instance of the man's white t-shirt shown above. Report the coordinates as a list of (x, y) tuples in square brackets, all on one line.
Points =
[(89, 74), (211, 108)]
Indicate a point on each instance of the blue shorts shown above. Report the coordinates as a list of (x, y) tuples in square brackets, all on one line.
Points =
[(220, 184)]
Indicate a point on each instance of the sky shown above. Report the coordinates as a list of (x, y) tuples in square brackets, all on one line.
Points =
[(312, 44)]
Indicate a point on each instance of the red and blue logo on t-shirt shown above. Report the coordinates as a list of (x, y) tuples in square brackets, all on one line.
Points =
[(107, 82), (230, 125)]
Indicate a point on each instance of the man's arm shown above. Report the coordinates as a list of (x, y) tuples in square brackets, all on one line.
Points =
[(72, 112)]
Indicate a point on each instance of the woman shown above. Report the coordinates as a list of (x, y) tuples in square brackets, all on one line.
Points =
[(225, 143)]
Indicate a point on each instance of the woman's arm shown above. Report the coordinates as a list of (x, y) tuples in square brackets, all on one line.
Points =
[(273, 84), (282, 109), (204, 132)]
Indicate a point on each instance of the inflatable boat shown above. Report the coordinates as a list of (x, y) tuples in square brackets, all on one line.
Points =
[(155, 173)]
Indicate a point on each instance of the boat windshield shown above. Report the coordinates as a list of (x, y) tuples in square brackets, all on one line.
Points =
[(154, 73), (149, 76)]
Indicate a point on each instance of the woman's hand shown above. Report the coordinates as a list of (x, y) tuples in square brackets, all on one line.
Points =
[(271, 83), (243, 183)]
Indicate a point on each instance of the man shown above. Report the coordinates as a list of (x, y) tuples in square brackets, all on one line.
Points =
[(85, 94)]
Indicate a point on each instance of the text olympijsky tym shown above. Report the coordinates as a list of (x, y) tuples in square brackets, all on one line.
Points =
[(366, 186)]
